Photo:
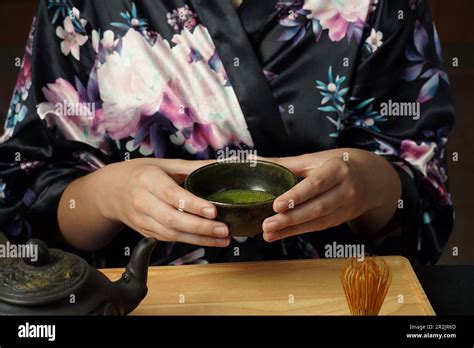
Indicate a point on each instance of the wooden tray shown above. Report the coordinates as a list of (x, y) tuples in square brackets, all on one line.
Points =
[(297, 287)]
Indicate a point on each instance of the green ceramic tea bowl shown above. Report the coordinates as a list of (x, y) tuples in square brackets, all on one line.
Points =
[(243, 193)]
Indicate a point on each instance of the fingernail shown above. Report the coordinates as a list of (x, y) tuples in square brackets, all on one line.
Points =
[(222, 242), (268, 236), (221, 231), (270, 226), (280, 205), (208, 212)]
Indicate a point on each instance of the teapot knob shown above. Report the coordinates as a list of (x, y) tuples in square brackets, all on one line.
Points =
[(39, 254)]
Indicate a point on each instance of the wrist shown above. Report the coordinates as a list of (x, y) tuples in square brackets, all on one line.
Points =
[(368, 173), (104, 190), (384, 184)]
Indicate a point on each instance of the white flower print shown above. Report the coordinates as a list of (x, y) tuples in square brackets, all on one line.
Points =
[(72, 40), (374, 41), (145, 149), (108, 42)]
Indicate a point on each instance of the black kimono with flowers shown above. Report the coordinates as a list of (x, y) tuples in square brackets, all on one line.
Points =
[(107, 81)]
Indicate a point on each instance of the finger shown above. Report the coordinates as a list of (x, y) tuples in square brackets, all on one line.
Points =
[(203, 240), (322, 205), (183, 167), (176, 196), (176, 169), (182, 221), (335, 218), (168, 234), (317, 183)]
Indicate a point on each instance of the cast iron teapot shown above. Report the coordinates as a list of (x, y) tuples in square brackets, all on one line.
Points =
[(60, 283)]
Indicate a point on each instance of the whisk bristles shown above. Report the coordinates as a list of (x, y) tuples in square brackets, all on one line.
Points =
[(365, 285)]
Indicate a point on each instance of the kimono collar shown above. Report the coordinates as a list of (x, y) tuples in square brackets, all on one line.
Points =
[(245, 72)]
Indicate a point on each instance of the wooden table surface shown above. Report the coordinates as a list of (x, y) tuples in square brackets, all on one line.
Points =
[(297, 287)]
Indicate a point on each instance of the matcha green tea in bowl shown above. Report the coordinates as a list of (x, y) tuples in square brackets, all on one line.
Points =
[(243, 192), (240, 196)]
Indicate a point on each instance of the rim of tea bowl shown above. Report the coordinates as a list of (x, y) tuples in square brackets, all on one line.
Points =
[(291, 175)]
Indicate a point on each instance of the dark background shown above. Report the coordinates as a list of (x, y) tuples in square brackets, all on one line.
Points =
[(456, 29)]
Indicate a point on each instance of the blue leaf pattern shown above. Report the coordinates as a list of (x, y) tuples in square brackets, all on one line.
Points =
[(429, 89), (361, 115), (419, 53), (420, 38), (413, 72)]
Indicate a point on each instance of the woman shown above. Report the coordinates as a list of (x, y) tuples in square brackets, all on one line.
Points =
[(117, 103)]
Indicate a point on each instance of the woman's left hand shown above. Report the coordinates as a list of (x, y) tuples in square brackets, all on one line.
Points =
[(341, 185)]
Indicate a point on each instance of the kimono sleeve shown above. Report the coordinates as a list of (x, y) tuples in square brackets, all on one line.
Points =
[(401, 108), (50, 137)]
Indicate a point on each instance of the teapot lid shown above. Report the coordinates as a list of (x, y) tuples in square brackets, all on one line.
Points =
[(51, 276)]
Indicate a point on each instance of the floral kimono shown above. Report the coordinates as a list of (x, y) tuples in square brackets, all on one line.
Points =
[(107, 81)]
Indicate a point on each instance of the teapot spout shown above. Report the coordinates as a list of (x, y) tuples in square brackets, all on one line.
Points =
[(132, 286)]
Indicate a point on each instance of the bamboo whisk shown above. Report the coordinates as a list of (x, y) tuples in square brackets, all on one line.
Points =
[(365, 285)]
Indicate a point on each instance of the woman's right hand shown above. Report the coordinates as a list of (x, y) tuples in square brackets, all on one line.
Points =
[(145, 195)]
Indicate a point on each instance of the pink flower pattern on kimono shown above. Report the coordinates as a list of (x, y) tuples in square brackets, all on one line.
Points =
[(182, 17), (176, 81), (424, 158), (131, 84), (336, 16), (75, 117)]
